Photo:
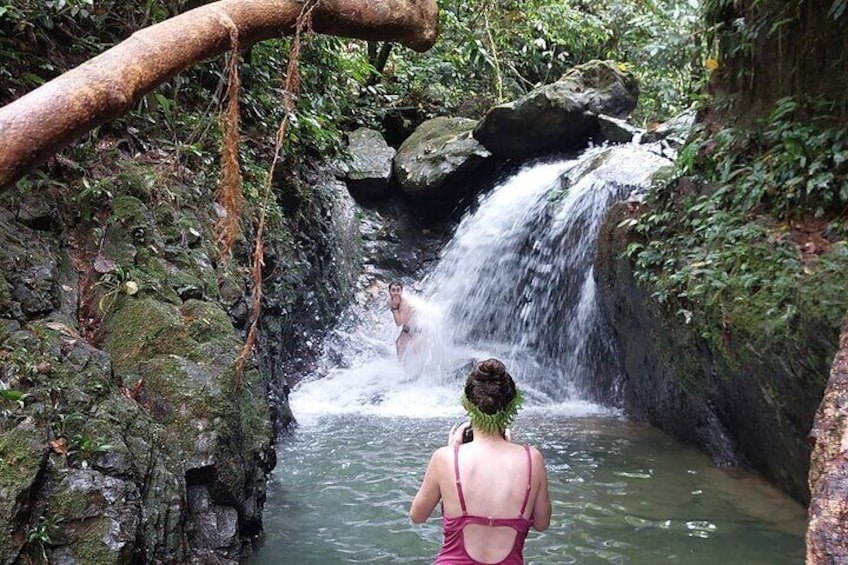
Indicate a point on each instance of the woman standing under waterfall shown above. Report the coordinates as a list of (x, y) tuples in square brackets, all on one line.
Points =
[(492, 490), (403, 314)]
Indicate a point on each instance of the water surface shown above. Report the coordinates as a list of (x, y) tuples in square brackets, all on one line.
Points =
[(623, 493)]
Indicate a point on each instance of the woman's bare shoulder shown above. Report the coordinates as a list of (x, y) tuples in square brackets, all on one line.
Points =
[(442, 454), (536, 455)]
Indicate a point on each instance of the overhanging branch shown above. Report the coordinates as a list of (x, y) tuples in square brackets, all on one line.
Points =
[(43, 121)]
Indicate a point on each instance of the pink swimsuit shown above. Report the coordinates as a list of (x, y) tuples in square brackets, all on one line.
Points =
[(453, 550)]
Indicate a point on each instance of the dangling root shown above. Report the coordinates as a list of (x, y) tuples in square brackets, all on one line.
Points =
[(230, 197), (292, 89)]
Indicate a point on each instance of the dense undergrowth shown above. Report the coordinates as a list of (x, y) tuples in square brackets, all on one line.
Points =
[(750, 234)]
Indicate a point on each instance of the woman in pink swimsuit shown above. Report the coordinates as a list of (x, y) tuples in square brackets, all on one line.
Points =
[(492, 490)]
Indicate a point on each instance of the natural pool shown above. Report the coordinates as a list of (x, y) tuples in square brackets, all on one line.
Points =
[(515, 281), (623, 493)]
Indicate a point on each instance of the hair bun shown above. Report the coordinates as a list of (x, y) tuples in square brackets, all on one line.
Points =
[(491, 369), (489, 386)]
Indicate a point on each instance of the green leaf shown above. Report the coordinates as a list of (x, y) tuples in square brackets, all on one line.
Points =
[(13, 395)]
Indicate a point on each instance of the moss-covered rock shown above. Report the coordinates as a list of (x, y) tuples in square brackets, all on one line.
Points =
[(23, 455), (125, 340), (99, 516), (559, 116), (438, 158), (716, 382)]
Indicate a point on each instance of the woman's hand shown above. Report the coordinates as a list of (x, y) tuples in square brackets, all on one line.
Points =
[(456, 432)]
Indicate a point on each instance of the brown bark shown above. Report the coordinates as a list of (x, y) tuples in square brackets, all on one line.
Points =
[(105, 87), (827, 533)]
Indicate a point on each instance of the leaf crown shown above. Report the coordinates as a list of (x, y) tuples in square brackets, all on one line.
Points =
[(496, 423)]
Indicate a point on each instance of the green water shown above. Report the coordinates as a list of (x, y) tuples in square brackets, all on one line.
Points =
[(623, 493)]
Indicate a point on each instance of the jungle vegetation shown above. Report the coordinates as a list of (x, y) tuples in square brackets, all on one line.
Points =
[(763, 216)]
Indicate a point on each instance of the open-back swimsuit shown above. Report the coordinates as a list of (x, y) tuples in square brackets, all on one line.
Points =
[(453, 550)]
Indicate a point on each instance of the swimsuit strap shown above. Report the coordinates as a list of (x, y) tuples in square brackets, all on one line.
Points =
[(458, 481), (529, 479)]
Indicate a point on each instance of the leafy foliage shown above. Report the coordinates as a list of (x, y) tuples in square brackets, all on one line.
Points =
[(488, 51), (495, 50), (755, 223)]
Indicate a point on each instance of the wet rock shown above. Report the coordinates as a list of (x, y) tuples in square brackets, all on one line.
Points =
[(34, 290), (603, 88), (36, 211), (674, 131), (370, 169), (615, 130), (100, 515), (559, 116), (29, 285), (210, 526), (436, 160)]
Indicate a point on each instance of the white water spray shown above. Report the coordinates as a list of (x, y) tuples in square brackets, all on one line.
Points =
[(515, 282)]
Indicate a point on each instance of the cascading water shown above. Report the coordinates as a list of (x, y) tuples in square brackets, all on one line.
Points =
[(515, 282), (518, 274)]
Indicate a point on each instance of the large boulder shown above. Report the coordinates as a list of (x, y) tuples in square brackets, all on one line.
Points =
[(435, 160), (370, 167), (559, 116), (603, 87)]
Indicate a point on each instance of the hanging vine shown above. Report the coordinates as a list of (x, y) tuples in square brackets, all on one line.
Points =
[(230, 197), (291, 90)]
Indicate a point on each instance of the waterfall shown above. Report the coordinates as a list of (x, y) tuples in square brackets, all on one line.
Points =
[(514, 282), (518, 273)]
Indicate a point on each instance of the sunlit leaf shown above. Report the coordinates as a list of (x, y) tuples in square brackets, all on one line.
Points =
[(13, 395)]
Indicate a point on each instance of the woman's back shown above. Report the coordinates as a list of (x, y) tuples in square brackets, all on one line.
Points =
[(498, 485), (494, 476), (492, 490)]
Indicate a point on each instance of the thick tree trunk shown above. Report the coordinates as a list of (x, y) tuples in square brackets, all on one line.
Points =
[(828, 512), (105, 87)]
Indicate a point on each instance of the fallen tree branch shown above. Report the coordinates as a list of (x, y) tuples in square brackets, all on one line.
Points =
[(43, 121)]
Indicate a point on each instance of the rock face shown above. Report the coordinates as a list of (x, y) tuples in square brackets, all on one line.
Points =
[(674, 131), (741, 405), (135, 441), (312, 269), (559, 116), (438, 157), (828, 510)]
